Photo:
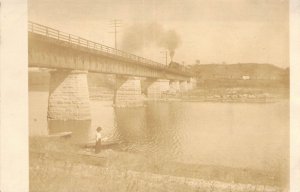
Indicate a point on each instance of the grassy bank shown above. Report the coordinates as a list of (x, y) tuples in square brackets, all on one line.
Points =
[(56, 165)]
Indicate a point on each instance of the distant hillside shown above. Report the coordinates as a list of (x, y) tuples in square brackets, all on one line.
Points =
[(237, 71), (248, 74)]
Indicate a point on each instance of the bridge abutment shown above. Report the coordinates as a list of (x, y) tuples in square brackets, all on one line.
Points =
[(69, 95), (128, 92)]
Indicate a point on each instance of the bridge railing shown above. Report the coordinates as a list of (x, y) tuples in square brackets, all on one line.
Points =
[(76, 40)]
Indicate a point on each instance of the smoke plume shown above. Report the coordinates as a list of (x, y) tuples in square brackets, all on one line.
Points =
[(138, 36)]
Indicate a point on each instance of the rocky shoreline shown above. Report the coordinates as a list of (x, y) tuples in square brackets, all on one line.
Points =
[(229, 95)]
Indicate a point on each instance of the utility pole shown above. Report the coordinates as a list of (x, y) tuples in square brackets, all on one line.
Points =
[(115, 24), (166, 56)]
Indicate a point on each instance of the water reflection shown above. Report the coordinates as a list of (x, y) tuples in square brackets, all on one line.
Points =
[(164, 128), (81, 130), (131, 124)]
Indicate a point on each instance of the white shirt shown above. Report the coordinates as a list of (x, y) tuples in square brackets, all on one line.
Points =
[(98, 136)]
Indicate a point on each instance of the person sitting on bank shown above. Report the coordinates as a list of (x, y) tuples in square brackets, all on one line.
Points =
[(98, 140)]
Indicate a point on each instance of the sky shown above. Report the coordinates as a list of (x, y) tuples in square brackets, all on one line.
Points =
[(211, 31)]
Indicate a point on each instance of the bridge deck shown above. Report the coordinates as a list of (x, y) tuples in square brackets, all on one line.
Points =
[(73, 40)]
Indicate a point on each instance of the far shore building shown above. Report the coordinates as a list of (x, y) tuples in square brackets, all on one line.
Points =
[(245, 77)]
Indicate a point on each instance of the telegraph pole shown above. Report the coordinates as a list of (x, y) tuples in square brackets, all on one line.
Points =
[(166, 56), (115, 24)]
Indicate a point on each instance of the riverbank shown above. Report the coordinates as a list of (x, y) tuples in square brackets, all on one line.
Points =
[(57, 165), (237, 95), (224, 95)]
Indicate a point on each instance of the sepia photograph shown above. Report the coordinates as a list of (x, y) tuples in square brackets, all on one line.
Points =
[(158, 96)]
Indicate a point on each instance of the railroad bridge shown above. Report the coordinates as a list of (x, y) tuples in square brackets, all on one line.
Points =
[(72, 58)]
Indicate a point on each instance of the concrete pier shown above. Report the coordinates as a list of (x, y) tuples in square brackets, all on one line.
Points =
[(69, 95), (128, 92), (156, 88)]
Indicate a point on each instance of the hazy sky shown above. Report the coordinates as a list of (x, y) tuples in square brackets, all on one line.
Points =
[(213, 31)]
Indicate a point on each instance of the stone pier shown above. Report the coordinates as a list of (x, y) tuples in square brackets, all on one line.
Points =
[(189, 85), (192, 83), (174, 86), (128, 92), (183, 86), (69, 95), (157, 87)]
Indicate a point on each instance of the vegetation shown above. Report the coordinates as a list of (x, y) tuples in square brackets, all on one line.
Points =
[(56, 165)]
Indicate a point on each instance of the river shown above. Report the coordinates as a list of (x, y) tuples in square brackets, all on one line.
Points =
[(240, 135)]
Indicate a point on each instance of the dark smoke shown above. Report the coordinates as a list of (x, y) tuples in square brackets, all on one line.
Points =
[(138, 36), (171, 41)]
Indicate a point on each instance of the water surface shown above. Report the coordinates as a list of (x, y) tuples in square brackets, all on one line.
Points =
[(244, 135)]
